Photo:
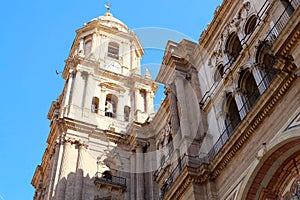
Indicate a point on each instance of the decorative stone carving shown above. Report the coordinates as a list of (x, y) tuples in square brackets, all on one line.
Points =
[(164, 136)]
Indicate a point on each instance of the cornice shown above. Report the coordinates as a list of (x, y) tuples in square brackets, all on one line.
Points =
[(286, 50), (220, 16)]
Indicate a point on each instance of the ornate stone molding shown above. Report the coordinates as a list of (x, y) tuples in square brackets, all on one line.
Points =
[(218, 166)]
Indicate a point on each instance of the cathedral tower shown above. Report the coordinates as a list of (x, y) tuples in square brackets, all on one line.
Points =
[(104, 94)]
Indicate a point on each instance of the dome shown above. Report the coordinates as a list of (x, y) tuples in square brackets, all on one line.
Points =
[(108, 20)]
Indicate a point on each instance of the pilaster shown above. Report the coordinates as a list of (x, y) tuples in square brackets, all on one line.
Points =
[(140, 171), (79, 171)]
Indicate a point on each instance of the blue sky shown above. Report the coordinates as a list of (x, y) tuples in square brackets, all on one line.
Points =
[(36, 36)]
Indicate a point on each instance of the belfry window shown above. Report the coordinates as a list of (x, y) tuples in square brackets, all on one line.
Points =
[(95, 105), (233, 47), (113, 50), (111, 105)]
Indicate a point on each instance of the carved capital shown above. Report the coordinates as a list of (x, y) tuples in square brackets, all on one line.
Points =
[(139, 144)]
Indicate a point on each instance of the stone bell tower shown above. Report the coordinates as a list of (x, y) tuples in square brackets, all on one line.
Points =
[(103, 94)]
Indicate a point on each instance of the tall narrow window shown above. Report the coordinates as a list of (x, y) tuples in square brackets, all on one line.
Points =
[(266, 63), (87, 47), (248, 84), (111, 105), (219, 72), (233, 47), (113, 50), (95, 105), (232, 114)]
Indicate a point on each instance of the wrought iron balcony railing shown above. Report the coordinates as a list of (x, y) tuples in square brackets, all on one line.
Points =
[(112, 180)]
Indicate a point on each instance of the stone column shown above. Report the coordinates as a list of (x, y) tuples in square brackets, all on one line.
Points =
[(62, 183), (140, 172), (93, 47), (85, 77), (68, 93), (259, 75), (241, 103), (175, 124), (79, 172), (53, 170), (132, 176), (81, 47), (60, 147), (136, 99), (149, 102), (120, 108), (221, 117), (195, 84), (181, 96), (102, 102)]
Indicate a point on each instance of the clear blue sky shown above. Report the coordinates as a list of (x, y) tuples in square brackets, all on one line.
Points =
[(36, 37)]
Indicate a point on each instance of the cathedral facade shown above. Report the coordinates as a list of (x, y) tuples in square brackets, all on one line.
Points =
[(228, 129)]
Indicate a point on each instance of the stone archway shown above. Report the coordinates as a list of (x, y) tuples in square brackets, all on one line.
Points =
[(276, 177)]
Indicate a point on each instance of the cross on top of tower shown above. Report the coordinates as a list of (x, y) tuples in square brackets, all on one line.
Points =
[(108, 6)]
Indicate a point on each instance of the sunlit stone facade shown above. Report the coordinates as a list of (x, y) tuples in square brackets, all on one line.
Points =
[(228, 129)]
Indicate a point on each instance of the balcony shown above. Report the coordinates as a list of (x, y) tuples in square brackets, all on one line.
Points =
[(115, 182), (282, 20), (177, 172)]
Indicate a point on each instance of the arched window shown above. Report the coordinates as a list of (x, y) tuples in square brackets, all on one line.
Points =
[(95, 105), (111, 105), (266, 63), (113, 50), (288, 6), (219, 72), (250, 25), (249, 87), (126, 113), (233, 47), (232, 114), (107, 176), (87, 47)]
